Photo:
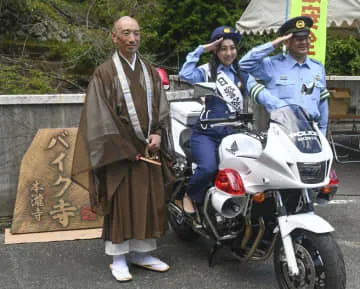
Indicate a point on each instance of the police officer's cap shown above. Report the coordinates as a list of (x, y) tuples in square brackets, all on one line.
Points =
[(226, 32), (298, 26)]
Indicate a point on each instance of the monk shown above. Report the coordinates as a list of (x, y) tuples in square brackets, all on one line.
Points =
[(123, 153)]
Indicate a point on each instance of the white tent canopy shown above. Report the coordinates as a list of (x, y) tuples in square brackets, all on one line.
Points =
[(267, 16)]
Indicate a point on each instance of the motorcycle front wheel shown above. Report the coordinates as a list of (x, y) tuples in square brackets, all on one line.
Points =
[(320, 261)]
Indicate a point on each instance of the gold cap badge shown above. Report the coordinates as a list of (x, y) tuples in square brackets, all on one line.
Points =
[(227, 30), (300, 24)]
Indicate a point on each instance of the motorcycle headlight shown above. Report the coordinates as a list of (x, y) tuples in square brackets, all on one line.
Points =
[(312, 173)]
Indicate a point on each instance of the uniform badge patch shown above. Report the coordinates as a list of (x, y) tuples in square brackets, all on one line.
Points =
[(300, 24)]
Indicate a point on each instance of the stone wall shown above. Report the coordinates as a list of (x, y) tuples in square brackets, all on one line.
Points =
[(20, 118)]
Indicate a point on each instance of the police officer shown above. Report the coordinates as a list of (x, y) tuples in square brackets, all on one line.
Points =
[(233, 85), (295, 78)]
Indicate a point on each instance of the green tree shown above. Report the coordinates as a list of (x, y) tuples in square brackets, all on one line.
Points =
[(182, 25), (55, 45), (342, 56)]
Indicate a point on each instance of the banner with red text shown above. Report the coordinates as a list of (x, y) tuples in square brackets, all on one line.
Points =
[(317, 10)]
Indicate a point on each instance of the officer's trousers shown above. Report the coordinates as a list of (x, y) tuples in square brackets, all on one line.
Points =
[(204, 150)]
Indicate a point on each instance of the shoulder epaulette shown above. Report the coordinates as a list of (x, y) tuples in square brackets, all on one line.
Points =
[(276, 57), (316, 61)]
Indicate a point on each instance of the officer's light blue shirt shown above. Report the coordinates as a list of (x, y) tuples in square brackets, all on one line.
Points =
[(285, 78), (193, 74)]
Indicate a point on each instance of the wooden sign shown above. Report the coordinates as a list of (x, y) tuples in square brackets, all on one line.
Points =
[(47, 200)]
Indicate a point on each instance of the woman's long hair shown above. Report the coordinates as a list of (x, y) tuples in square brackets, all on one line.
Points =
[(214, 64)]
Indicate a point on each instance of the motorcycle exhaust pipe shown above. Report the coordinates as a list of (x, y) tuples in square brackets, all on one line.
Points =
[(227, 205)]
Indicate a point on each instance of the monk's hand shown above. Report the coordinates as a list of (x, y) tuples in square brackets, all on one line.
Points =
[(154, 142), (281, 39), (212, 46)]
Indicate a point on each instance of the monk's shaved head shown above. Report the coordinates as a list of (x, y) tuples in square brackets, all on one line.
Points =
[(121, 21), (126, 36)]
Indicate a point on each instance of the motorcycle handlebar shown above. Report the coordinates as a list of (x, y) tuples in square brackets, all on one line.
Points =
[(244, 117)]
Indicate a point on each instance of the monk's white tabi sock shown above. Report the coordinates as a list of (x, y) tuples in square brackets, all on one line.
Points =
[(119, 263)]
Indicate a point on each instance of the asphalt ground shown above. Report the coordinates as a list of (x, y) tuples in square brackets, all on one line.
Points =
[(82, 264)]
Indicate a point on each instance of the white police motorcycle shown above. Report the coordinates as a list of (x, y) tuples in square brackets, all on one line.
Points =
[(262, 199)]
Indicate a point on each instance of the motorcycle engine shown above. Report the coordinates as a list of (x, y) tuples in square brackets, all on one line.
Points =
[(226, 226)]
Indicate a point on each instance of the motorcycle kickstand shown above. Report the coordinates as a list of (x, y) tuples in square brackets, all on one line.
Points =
[(212, 253)]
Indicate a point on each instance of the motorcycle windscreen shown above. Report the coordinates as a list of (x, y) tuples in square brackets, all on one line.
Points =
[(297, 125)]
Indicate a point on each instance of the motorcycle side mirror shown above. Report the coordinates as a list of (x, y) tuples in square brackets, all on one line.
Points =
[(204, 89)]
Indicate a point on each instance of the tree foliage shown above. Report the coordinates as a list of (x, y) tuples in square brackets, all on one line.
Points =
[(343, 56), (54, 45), (183, 25)]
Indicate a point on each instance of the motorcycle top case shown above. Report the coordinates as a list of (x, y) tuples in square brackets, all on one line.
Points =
[(186, 112)]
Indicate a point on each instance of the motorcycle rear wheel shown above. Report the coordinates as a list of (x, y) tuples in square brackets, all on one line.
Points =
[(320, 261)]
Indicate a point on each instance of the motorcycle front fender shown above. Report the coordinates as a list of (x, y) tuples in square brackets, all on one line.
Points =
[(307, 221)]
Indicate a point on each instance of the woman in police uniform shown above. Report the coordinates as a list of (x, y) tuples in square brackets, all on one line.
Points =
[(232, 85)]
